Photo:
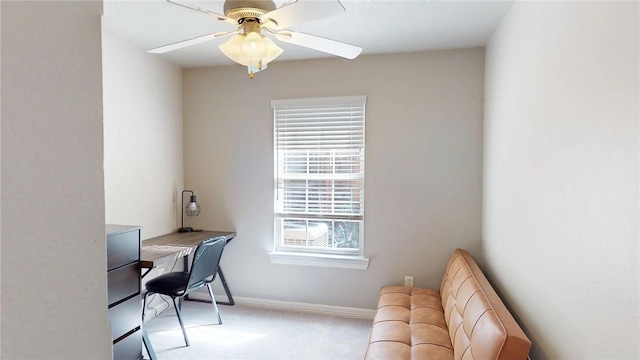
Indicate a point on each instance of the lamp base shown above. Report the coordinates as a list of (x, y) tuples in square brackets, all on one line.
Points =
[(185, 229)]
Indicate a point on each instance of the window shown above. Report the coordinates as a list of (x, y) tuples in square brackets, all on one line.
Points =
[(319, 175)]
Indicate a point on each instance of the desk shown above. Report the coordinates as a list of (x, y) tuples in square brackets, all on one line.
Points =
[(163, 249)]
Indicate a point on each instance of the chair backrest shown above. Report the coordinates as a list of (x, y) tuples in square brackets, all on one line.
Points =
[(206, 260)]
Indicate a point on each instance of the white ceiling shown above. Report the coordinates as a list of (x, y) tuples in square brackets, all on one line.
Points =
[(378, 26)]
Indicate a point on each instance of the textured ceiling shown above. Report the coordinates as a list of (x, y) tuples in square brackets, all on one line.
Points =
[(377, 26)]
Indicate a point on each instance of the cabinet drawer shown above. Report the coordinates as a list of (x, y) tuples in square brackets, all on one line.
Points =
[(129, 348), (123, 282), (123, 248), (125, 317)]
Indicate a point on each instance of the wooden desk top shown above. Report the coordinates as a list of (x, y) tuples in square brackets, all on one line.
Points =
[(169, 247)]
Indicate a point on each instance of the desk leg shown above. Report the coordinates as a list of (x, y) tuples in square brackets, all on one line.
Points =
[(226, 289)]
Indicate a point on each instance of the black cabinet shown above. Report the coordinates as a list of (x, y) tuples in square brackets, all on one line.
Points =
[(123, 289)]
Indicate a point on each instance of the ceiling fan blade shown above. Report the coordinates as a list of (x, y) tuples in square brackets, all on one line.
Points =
[(204, 11), (189, 42), (299, 12), (321, 44)]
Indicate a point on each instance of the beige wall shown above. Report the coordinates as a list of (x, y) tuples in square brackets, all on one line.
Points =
[(142, 138), (560, 224), (54, 283), (423, 167)]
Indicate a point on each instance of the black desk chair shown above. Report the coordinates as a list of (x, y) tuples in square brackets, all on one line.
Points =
[(177, 284)]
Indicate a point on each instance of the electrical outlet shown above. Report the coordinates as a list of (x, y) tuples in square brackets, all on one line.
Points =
[(408, 281)]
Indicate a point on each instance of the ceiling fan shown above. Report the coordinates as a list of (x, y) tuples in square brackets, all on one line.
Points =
[(249, 47)]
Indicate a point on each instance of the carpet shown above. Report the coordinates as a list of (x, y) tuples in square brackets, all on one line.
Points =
[(256, 333)]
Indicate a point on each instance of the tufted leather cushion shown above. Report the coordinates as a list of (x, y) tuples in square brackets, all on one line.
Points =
[(409, 324), (465, 320)]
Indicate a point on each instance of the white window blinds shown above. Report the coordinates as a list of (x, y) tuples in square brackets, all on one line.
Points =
[(319, 158)]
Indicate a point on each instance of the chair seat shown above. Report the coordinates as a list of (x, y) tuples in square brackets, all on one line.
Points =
[(172, 283)]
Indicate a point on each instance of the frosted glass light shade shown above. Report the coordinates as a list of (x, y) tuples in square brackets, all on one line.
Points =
[(273, 50), (233, 48), (252, 50)]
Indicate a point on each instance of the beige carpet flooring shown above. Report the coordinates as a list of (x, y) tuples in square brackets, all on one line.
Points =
[(257, 333)]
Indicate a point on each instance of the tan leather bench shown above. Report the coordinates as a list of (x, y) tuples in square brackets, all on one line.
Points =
[(464, 320)]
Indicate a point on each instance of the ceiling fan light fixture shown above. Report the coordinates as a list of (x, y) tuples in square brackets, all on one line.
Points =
[(252, 50)]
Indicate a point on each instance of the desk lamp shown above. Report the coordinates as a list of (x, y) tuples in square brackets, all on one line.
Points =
[(192, 209)]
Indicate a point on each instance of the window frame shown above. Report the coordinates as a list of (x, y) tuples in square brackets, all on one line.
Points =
[(320, 256)]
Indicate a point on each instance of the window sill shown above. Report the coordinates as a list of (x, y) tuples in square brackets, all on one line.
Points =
[(308, 259)]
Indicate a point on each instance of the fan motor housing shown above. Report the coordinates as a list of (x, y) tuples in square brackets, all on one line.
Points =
[(240, 9)]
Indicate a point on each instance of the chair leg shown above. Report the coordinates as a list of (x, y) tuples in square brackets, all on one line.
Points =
[(213, 301), (175, 304)]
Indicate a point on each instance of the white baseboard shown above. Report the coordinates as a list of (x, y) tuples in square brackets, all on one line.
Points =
[(295, 306)]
